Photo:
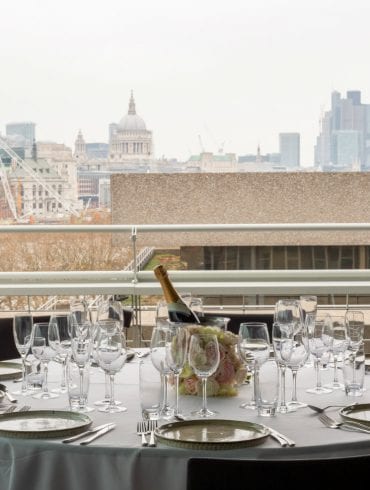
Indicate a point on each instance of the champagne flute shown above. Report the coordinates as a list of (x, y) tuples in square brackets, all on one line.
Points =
[(81, 352), (320, 335), (176, 352), (42, 349), (112, 354), (354, 321), (256, 349), (158, 358), (22, 333), (204, 358), (340, 344), (60, 340), (294, 352), (277, 343)]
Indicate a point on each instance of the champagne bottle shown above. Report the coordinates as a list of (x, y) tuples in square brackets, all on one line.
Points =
[(178, 311)]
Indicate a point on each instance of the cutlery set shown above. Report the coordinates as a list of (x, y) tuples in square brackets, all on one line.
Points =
[(91, 434), (144, 428)]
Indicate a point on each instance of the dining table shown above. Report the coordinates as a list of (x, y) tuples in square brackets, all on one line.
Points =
[(118, 461)]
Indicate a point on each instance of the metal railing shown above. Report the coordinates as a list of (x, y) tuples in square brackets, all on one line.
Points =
[(135, 282)]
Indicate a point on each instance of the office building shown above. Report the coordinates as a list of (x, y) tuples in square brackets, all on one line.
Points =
[(289, 149)]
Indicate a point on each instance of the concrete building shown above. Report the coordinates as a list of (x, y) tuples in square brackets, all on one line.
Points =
[(250, 198)]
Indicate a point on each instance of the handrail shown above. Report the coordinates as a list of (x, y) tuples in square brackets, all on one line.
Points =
[(135, 282)]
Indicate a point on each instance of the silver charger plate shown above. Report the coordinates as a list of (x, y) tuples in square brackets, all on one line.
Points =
[(359, 412), (211, 434), (40, 424), (10, 370)]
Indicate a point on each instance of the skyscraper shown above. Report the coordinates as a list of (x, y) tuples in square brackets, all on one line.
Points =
[(21, 134), (290, 149), (344, 139)]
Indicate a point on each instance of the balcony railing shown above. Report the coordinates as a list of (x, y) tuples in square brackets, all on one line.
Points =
[(137, 283)]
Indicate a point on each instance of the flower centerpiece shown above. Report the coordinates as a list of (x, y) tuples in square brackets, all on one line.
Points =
[(230, 373)]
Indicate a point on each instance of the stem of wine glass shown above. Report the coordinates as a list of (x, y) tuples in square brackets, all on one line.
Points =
[(335, 361), (112, 404), (45, 388), (318, 374), (63, 384), (165, 400), (24, 379), (294, 391), (283, 408), (177, 376), (107, 395), (204, 395), (81, 371)]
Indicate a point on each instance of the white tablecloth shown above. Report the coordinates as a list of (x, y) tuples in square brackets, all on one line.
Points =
[(118, 462)]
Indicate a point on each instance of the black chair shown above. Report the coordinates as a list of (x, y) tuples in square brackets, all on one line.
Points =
[(227, 474)]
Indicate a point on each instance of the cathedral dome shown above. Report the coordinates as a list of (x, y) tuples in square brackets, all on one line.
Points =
[(132, 122)]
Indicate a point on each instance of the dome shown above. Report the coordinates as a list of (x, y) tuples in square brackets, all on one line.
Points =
[(132, 122)]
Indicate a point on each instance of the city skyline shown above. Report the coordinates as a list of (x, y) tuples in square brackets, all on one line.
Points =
[(236, 73)]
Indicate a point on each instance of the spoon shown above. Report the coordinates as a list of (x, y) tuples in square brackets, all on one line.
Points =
[(7, 394)]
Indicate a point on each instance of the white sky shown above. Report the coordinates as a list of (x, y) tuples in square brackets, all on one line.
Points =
[(233, 71)]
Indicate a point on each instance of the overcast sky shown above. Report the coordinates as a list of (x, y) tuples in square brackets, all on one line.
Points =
[(235, 72)]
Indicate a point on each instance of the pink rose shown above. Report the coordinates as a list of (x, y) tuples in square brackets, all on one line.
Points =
[(191, 386), (225, 372)]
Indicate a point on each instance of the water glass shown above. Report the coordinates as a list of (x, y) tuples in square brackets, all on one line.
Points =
[(150, 388), (354, 371), (269, 386)]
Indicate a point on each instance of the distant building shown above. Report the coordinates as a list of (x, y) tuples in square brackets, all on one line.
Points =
[(97, 151), (208, 162), (290, 149), (129, 140), (344, 139), (21, 135)]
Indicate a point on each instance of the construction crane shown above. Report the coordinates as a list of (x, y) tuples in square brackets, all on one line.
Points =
[(21, 163)]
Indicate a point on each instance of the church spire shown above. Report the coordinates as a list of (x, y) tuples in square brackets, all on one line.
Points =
[(131, 107)]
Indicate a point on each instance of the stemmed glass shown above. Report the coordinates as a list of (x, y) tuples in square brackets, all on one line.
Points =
[(294, 352), (43, 351), (81, 352), (158, 357), (112, 354), (80, 310), (22, 333), (60, 340), (354, 321), (277, 342), (204, 358), (320, 335), (340, 344), (176, 353), (248, 360)]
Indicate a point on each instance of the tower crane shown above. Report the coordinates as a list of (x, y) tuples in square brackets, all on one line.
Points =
[(26, 167)]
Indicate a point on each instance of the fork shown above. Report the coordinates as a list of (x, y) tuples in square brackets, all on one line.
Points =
[(153, 424), (333, 424), (142, 430)]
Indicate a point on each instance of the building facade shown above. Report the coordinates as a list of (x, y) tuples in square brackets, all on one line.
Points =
[(290, 149), (21, 135)]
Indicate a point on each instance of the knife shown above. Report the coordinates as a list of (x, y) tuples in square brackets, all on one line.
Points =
[(97, 434), (284, 440), (86, 433)]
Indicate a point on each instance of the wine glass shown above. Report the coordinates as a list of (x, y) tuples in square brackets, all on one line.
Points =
[(289, 312), (81, 352), (112, 354), (308, 305), (256, 349), (176, 353), (320, 335), (60, 340), (243, 351), (42, 349), (80, 310), (204, 358), (294, 351), (158, 357), (22, 333), (354, 321), (340, 344)]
